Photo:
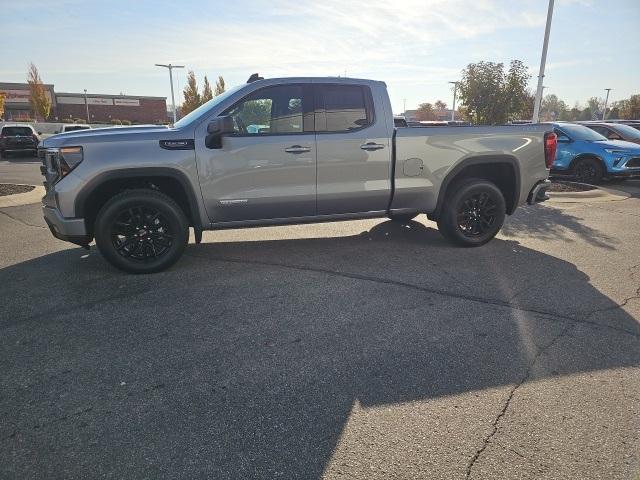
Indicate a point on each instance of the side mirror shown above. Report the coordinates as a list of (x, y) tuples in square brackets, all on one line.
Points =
[(39, 133), (221, 125), (216, 129), (563, 139)]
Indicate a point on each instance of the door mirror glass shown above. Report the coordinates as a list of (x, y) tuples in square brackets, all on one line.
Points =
[(220, 125), (562, 138)]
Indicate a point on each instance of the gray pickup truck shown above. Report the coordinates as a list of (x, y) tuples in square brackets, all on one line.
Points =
[(282, 151)]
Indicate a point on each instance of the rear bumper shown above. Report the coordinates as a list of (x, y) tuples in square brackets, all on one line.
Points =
[(539, 192), (68, 229)]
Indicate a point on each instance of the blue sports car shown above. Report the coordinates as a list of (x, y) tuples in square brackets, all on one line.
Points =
[(590, 157)]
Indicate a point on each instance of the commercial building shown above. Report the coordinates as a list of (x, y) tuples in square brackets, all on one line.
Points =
[(102, 108)]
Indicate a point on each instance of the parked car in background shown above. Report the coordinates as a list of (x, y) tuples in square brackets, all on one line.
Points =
[(615, 131), (18, 138), (399, 122), (73, 127), (589, 156)]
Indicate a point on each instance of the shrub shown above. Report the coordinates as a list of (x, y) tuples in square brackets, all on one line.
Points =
[(80, 120), (126, 122), (116, 121)]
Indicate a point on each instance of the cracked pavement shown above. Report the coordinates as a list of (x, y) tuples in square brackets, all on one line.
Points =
[(362, 349)]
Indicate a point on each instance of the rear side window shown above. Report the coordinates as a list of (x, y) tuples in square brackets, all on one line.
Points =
[(15, 131), (282, 109), (343, 108)]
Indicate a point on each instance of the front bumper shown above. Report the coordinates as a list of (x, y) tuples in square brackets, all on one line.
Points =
[(68, 229), (539, 192)]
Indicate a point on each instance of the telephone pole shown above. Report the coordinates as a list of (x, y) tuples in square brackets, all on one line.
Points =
[(173, 100), (543, 62), (453, 109), (604, 113)]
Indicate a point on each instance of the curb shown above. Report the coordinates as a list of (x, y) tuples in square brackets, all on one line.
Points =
[(600, 195), (18, 199)]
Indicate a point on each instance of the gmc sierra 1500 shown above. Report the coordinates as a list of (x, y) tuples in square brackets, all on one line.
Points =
[(280, 151)]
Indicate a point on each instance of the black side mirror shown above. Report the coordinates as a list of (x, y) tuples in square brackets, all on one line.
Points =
[(563, 139), (216, 129)]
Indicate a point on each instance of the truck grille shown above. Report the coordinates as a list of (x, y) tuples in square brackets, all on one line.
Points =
[(633, 163)]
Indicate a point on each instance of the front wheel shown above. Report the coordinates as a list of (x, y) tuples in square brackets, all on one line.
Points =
[(141, 231), (588, 170), (473, 213)]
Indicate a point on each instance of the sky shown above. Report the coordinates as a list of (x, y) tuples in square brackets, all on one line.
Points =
[(415, 46)]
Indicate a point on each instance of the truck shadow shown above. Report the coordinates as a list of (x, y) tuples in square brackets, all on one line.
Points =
[(247, 358)]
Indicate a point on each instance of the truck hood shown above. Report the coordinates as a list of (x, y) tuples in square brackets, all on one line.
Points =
[(94, 135)]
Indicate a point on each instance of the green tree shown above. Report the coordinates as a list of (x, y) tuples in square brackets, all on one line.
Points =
[(207, 94), (630, 108), (220, 88), (552, 108), (492, 96), (38, 98), (191, 95), (425, 112), (440, 105)]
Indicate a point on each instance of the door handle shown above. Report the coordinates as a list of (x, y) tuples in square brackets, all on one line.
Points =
[(371, 146), (297, 149)]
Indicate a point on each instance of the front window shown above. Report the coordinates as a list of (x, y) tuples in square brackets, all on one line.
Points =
[(628, 132), (273, 110), (195, 114), (579, 132)]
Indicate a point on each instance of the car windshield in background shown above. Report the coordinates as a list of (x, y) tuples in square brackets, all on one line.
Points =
[(16, 131), (578, 132), (628, 131)]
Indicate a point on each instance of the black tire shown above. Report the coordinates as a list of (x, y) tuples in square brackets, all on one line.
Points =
[(473, 212), (141, 231), (588, 170), (402, 218)]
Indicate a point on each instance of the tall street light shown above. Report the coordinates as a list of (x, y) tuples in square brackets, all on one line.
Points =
[(604, 114), (453, 110), (543, 61), (86, 105), (173, 100)]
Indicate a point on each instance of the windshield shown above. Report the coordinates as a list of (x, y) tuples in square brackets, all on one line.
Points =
[(187, 119), (579, 132), (627, 131), (16, 131)]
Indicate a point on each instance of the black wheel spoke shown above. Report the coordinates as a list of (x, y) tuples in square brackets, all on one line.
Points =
[(476, 214), (141, 234)]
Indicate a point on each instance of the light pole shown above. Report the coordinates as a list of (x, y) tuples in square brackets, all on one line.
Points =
[(606, 100), (543, 61), (404, 103), (173, 100), (86, 105), (453, 110)]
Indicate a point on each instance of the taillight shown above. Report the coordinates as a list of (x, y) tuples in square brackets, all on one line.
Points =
[(550, 147)]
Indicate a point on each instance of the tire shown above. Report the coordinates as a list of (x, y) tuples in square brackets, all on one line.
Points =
[(473, 213), (402, 218), (141, 231), (588, 170)]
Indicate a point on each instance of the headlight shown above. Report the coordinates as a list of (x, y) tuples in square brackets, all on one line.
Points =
[(616, 152), (68, 159)]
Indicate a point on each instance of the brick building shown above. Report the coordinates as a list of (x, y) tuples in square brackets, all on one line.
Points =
[(102, 108)]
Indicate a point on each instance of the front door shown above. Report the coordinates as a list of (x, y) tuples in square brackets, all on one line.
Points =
[(267, 168)]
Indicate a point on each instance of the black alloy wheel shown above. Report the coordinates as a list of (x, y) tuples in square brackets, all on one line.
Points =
[(588, 170), (477, 215), (141, 233)]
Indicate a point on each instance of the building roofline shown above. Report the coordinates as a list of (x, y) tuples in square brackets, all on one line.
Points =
[(22, 84), (107, 95)]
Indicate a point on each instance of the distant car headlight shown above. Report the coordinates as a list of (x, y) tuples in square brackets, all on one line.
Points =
[(68, 159), (616, 152)]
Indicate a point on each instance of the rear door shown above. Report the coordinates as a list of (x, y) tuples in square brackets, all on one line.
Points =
[(353, 148), (267, 168)]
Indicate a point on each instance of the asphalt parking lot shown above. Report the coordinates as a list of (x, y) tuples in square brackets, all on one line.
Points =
[(363, 349)]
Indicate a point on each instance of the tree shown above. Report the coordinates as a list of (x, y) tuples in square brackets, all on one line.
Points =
[(440, 105), (552, 108), (220, 88), (191, 95), (491, 96), (2, 95), (630, 108), (425, 112), (40, 102), (207, 94)]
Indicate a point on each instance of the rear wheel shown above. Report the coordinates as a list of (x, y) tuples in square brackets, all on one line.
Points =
[(473, 213), (141, 231), (588, 170)]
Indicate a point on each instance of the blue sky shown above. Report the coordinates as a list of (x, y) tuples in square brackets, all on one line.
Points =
[(416, 46)]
